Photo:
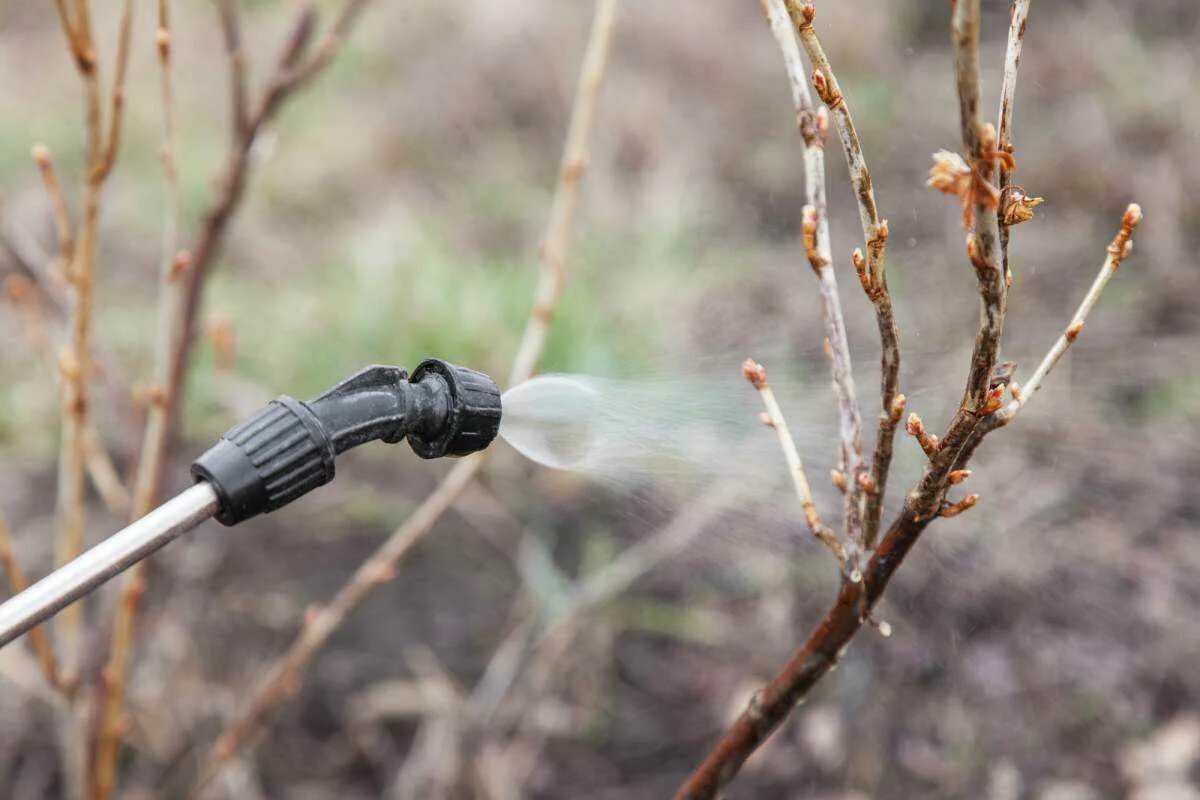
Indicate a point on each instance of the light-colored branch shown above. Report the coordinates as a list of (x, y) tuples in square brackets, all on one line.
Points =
[(39, 642), (818, 250), (1118, 249), (1008, 90), (283, 677), (58, 204), (552, 252), (110, 723), (100, 468), (774, 419), (873, 272), (112, 140)]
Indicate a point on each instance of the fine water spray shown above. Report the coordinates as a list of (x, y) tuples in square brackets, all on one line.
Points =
[(669, 431)]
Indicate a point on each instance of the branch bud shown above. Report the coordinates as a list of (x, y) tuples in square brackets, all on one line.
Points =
[(954, 509), (755, 373)]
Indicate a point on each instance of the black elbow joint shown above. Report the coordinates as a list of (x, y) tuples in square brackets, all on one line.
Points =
[(287, 448)]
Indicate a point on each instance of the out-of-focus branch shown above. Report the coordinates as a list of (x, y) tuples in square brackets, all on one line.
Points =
[(283, 677), (58, 204), (815, 236), (294, 68), (21, 290), (1008, 90), (39, 642), (871, 268), (110, 722), (231, 33), (773, 418), (75, 361)]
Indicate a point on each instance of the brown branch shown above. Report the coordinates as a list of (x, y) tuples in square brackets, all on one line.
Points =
[(291, 72), (983, 235), (231, 33), (1012, 62), (873, 275), (817, 247), (774, 419), (112, 141), (22, 291), (925, 502), (39, 642), (284, 676)]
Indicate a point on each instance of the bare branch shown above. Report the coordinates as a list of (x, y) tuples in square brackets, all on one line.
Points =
[(873, 274), (110, 725), (231, 33), (774, 419), (39, 642), (1008, 90), (58, 204), (1118, 250), (116, 115), (283, 678), (817, 247), (983, 236)]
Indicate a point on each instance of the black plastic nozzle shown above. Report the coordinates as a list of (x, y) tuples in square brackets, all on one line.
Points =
[(287, 448)]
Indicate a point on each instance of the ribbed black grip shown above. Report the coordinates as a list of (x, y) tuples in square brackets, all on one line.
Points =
[(474, 417), (267, 461)]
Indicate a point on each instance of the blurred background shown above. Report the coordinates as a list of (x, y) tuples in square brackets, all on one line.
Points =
[(1045, 643)]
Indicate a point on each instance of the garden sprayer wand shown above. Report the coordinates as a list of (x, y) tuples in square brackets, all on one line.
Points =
[(283, 451)]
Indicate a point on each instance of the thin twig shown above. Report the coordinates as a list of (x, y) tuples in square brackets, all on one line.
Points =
[(774, 419), (292, 71), (231, 33), (58, 204), (1118, 250), (874, 272), (39, 642), (1008, 90), (103, 473), (818, 250), (283, 677), (110, 724)]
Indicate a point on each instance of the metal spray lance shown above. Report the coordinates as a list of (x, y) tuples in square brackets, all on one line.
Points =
[(281, 452)]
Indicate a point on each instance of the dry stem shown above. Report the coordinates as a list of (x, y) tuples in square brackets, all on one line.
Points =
[(774, 420), (76, 360), (815, 232), (874, 272), (1008, 90), (283, 678), (110, 724), (39, 642), (1118, 249)]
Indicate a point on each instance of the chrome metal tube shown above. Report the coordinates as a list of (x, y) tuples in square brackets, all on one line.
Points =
[(118, 552)]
